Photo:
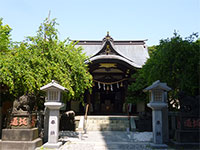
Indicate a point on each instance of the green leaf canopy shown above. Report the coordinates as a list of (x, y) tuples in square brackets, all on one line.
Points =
[(174, 61), (42, 58)]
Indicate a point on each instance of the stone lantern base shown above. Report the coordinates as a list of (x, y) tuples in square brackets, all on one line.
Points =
[(20, 139), (52, 145), (153, 145)]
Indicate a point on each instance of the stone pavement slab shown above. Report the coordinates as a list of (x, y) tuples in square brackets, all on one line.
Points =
[(107, 140), (100, 146)]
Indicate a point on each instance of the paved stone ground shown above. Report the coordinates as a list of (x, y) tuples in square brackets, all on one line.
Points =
[(106, 140)]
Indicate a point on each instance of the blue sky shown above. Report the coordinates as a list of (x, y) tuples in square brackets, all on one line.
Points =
[(91, 19)]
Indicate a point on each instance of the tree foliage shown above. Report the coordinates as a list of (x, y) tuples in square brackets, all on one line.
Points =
[(42, 58), (4, 36), (152, 49), (174, 61)]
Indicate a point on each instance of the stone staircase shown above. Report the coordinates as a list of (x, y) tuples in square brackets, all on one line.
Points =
[(107, 123)]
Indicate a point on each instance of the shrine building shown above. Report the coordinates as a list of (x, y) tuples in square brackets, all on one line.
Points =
[(111, 64)]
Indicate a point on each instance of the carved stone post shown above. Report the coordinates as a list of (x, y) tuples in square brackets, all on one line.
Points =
[(159, 105), (53, 103), (46, 124)]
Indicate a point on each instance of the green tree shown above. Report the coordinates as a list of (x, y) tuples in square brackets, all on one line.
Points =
[(42, 58), (152, 49), (4, 36), (174, 61)]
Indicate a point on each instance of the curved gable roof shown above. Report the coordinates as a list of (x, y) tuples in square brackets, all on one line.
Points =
[(132, 52)]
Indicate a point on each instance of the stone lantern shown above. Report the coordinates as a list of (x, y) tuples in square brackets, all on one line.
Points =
[(158, 103), (54, 104)]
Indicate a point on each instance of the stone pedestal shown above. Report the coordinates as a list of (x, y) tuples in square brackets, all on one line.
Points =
[(23, 120), (46, 124), (53, 132), (165, 122), (157, 121), (187, 136), (157, 127), (20, 139), (53, 103), (188, 129), (158, 104)]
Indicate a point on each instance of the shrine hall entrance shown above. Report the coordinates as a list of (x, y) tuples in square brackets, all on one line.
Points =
[(107, 102), (111, 71), (111, 63), (110, 82)]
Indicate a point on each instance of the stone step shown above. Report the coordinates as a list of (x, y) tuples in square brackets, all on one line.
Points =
[(107, 123)]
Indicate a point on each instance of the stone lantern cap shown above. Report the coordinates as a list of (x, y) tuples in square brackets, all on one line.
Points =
[(157, 85), (53, 85)]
